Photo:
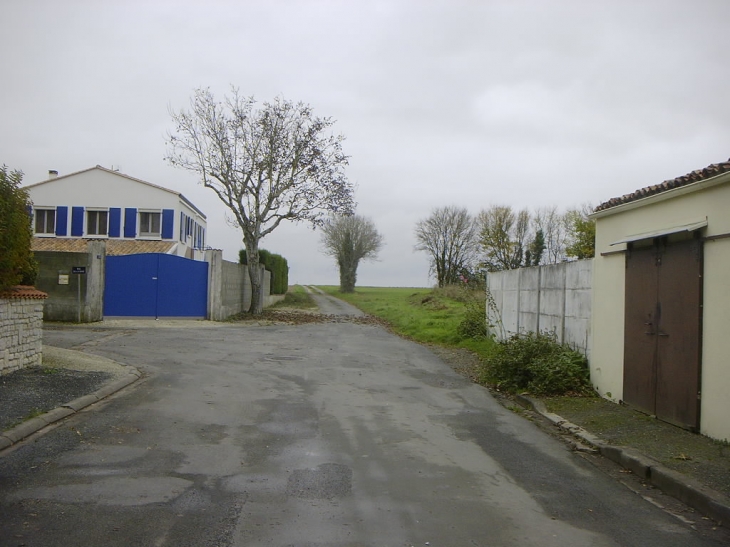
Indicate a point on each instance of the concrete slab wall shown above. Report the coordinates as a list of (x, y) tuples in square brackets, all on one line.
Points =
[(229, 287), (529, 299), (554, 298)]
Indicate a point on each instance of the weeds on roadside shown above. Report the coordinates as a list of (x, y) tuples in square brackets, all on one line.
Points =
[(296, 297), (537, 363)]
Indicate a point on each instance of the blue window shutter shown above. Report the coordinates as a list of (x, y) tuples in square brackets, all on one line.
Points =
[(77, 221), (61, 221), (182, 223), (130, 222), (168, 219), (115, 221)]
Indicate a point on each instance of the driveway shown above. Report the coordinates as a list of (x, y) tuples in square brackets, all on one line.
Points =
[(317, 435), (329, 305)]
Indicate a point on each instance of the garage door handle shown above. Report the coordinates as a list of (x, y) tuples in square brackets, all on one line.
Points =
[(663, 334)]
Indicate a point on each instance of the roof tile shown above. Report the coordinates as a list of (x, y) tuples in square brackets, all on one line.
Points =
[(114, 247), (695, 176), (23, 291)]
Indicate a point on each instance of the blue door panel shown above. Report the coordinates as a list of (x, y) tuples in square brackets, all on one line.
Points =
[(130, 288), (155, 285), (179, 293)]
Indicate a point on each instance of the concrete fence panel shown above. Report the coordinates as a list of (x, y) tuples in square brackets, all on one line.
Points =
[(529, 298), (553, 298), (229, 287)]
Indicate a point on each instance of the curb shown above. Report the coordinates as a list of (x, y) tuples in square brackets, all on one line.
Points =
[(27, 428), (708, 502)]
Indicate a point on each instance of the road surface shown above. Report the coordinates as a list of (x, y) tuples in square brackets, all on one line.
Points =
[(317, 435)]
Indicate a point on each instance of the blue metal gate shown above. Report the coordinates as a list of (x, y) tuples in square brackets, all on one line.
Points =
[(155, 285)]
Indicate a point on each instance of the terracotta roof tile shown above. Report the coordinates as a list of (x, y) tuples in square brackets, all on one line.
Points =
[(695, 176), (23, 291), (114, 247)]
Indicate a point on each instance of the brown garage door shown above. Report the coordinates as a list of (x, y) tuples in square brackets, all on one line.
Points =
[(662, 331)]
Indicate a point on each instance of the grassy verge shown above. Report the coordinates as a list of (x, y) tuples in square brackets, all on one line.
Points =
[(296, 297), (429, 316)]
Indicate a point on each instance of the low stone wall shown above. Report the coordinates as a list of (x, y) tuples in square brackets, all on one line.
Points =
[(21, 328)]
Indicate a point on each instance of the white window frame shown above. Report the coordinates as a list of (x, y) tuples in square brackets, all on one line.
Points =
[(149, 235), (96, 210), (45, 211)]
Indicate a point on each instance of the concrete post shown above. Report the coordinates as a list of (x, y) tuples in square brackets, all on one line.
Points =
[(214, 258), (93, 297)]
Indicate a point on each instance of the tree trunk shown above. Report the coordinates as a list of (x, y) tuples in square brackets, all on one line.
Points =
[(348, 277), (254, 274)]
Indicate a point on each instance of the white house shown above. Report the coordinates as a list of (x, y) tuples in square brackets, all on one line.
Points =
[(133, 215)]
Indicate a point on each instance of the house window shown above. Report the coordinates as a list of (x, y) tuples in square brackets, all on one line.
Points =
[(97, 223), (45, 221), (150, 224)]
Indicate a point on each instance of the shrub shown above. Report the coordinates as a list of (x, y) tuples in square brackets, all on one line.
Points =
[(537, 363), (16, 259), (474, 323), (276, 264)]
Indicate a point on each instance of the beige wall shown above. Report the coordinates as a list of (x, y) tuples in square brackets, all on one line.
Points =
[(675, 207)]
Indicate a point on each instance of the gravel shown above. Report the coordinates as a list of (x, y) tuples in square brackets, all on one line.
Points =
[(28, 392)]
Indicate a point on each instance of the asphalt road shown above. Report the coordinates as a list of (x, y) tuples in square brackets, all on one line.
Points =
[(318, 435)]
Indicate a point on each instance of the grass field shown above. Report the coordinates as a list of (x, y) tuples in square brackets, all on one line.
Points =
[(429, 316)]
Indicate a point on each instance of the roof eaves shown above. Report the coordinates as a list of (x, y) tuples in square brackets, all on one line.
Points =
[(686, 188), (698, 176)]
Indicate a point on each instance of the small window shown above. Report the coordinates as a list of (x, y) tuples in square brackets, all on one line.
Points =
[(150, 224), (97, 223), (45, 221)]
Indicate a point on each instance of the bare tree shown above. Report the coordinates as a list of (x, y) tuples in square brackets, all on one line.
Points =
[(449, 238), (266, 165), (552, 224), (350, 239), (504, 236)]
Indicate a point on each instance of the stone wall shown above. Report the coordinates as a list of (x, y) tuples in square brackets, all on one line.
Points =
[(21, 328)]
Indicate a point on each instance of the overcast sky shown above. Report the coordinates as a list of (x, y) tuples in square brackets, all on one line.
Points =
[(469, 103)]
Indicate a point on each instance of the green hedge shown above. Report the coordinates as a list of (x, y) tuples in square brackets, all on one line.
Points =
[(276, 264), (16, 259)]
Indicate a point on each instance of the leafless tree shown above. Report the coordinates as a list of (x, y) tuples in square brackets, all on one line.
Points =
[(504, 236), (267, 165), (552, 223), (350, 239), (448, 235)]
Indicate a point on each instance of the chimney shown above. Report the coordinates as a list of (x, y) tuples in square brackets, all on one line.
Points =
[(52, 174)]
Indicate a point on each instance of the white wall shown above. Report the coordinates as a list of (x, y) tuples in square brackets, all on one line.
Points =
[(554, 298), (102, 188)]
